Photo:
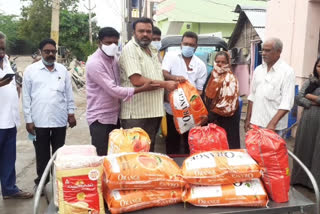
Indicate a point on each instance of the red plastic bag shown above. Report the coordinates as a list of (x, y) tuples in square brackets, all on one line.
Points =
[(207, 138), (270, 151), (187, 107)]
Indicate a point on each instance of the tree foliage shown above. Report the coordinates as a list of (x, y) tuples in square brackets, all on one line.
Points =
[(35, 25), (9, 25), (74, 33)]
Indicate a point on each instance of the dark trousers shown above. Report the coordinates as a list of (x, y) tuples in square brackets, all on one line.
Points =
[(150, 125), (173, 139), (100, 136), (7, 161), (46, 137), (231, 125)]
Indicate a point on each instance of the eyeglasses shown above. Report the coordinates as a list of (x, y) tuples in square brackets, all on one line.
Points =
[(49, 51)]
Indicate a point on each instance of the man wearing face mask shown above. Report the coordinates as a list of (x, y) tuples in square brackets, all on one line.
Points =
[(139, 64), (104, 92), (48, 104), (182, 66), (156, 40)]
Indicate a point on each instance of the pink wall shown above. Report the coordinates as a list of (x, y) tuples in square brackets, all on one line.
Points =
[(297, 24)]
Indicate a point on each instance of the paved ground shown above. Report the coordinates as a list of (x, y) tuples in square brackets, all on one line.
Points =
[(25, 164)]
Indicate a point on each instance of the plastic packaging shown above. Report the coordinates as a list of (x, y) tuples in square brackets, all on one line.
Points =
[(207, 138), (220, 167), (187, 107), (143, 170), (270, 151)]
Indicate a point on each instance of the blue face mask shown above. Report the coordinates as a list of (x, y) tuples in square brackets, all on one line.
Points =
[(46, 62), (187, 51)]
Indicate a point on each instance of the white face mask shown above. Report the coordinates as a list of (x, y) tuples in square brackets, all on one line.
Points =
[(156, 44), (110, 50)]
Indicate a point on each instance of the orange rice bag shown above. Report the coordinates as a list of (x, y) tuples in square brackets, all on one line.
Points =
[(128, 140), (121, 201), (246, 194), (141, 171), (187, 107), (220, 167), (80, 185)]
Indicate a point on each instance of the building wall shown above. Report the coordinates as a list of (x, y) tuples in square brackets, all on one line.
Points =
[(225, 28), (298, 28), (202, 28), (247, 34)]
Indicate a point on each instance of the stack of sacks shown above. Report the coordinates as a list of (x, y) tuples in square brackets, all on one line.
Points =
[(79, 180), (128, 140), (270, 151), (227, 178), (135, 181)]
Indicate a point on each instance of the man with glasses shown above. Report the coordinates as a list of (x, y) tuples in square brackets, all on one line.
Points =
[(48, 104), (9, 120), (272, 91)]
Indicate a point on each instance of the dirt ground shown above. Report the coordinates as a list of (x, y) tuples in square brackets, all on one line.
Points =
[(25, 163)]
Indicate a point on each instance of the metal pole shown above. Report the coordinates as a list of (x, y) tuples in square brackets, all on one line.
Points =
[(90, 26), (55, 21), (312, 179), (90, 22), (42, 184)]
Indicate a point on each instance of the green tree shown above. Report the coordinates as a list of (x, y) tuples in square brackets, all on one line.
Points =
[(9, 25), (74, 33), (35, 25)]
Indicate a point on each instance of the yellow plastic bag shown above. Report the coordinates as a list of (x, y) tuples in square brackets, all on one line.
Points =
[(128, 140)]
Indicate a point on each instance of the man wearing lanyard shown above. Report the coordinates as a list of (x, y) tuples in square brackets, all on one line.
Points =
[(48, 104)]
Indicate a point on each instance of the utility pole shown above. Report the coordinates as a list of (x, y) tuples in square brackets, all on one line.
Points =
[(55, 21), (90, 23)]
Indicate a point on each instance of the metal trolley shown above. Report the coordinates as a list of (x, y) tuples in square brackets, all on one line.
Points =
[(297, 201)]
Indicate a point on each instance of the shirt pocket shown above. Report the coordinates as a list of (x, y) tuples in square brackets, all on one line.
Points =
[(272, 91), (59, 85)]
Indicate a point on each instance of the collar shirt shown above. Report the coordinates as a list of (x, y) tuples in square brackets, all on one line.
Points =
[(47, 95), (9, 108), (270, 92), (103, 89), (174, 63), (134, 60)]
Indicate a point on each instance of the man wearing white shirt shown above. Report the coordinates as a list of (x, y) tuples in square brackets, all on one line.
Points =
[(181, 66), (48, 104), (272, 92), (9, 120)]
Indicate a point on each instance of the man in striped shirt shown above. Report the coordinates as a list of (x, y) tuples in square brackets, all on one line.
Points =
[(139, 63)]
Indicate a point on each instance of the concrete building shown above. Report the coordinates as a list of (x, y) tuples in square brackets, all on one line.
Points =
[(199, 16), (297, 24)]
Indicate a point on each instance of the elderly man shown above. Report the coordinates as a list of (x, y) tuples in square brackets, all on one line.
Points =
[(139, 64), (272, 92), (48, 104), (9, 120), (104, 92), (181, 66)]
